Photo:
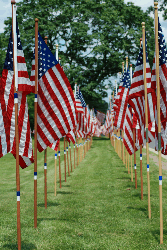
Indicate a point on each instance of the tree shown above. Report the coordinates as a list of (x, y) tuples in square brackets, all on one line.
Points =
[(95, 37)]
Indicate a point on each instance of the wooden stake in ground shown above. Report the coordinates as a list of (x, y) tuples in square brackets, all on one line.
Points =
[(55, 171), (74, 155), (134, 147), (146, 118), (59, 164), (45, 162), (45, 176), (77, 152), (64, 159), (141, 175), (35, 123), (131, 168), (67, 158), (159, 121), (70, 156), (128, 164), (16, 121)]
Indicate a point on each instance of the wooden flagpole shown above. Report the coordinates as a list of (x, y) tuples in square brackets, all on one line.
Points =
[(141, 174), (146, 118), (67, 158), (128, 165), (64, 159), (123, 147), (35, 123), (77, 152), (45, 161), (70, 156), (134, 148), (16, 123), (55, 171), (159, 121), (74, 154), (59, 164), (131, 168)]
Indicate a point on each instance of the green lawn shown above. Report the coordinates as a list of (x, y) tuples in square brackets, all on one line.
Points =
[(97, 208)]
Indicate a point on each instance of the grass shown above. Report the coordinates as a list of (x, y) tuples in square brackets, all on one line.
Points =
[(97, 208)]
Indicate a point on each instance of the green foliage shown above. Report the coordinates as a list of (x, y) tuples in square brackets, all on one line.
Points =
[(3, 49), (93, 36)]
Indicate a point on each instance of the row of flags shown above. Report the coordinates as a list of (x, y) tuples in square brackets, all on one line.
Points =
[(60, 112), (134, 114)]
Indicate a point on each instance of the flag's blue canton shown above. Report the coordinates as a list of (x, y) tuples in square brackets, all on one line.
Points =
[(140, 57), (9, 56), (46, 59), (122, 79), (162, 46), (126, 80), (80, 96)]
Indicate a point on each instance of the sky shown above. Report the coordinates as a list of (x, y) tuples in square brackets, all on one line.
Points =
[(6, 11)]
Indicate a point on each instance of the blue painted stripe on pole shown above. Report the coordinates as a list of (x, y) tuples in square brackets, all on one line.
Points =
[(64, 150), (35, 95), (140, 155), (18, 193), (59, 152), (160, 178), (66, 147), (55, 154), (15, 95), (35, 173), (147, 165), (45, 164)]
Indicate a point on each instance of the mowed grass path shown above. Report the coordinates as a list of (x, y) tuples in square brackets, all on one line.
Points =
[(97, 208)]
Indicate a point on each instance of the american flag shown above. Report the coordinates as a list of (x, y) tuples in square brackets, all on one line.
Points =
[(136, 94), (128, 131), (71, 137), (8, 107), (122, 105), (163, 90), (100, 116), (55, 145), (56, 115), (80, 102)]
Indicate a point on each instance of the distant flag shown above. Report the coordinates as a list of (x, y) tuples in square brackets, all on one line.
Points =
[(7, 100), (56, 115), (80, 102)]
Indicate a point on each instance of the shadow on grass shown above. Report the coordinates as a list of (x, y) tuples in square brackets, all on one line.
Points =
[(64, 192), (65, 185), (100, 139), (49, 204), (144, 210), (156, 234), (24, 245)]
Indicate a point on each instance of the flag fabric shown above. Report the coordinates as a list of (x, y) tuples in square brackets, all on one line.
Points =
[(128, 131), (136, 94), (100, 116), (163, 90), (55, 145), (80, 102), (122, 105), (70, 137), (56, 114), (4, 135), (7, 101)]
